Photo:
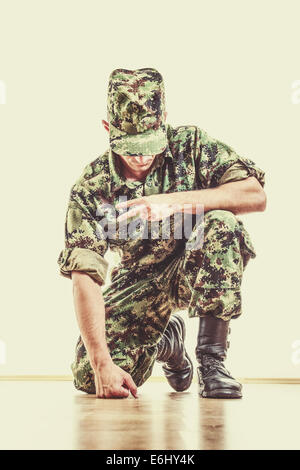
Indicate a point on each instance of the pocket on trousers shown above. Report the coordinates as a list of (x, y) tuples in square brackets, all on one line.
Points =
[(247, 248)]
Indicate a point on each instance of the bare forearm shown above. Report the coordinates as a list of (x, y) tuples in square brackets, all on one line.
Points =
[(238, 197), (90, 312)]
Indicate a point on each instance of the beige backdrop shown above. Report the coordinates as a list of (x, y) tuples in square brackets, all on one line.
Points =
[(230, 67)]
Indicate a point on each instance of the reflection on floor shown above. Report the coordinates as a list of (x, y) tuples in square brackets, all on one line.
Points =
[(53, 415)]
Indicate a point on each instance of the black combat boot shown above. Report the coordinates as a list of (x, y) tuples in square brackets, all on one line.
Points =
[(214, 380), (177, 366)]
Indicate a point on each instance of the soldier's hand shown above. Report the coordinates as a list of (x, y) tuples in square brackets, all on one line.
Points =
[(113, 382), (152, 208)]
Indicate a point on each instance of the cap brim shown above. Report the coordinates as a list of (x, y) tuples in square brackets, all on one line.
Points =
[(146, 143)]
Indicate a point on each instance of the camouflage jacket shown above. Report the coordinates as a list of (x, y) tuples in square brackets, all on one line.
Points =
[(191, 161)]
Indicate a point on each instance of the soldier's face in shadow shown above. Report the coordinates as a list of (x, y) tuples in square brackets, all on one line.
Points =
[(138, 165)]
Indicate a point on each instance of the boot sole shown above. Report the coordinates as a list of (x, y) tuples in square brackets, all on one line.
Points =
[(221, 393), (192, 375)]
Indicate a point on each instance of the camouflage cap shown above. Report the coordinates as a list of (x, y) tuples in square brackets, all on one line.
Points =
[(135, 112)]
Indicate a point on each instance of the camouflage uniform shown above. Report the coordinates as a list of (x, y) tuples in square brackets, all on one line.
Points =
[(156, 277)]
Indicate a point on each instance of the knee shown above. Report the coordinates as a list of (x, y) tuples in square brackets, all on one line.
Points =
[(226, 219), (83, 380)]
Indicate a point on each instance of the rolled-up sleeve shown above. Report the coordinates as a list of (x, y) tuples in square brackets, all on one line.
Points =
[(85, 242), (217, 163)]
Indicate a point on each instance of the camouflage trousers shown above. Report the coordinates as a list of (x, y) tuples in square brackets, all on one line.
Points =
[(139, 301)]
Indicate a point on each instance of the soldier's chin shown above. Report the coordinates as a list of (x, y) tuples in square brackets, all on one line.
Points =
[(143, 164)]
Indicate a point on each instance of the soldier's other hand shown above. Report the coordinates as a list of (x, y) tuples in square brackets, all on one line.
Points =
[(113, 382)]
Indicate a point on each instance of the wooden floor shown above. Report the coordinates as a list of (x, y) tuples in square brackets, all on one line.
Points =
[(53, 415)]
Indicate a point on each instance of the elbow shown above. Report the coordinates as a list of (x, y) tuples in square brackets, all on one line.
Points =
[(260, 195), (262, 201)]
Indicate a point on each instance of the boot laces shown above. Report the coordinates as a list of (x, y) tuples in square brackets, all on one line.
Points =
[(210, 362)]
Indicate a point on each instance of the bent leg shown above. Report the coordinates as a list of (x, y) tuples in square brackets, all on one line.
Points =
[(136, 313), (210, 276)]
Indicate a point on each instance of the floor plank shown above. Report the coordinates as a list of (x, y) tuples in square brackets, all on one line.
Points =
[(53, 415)]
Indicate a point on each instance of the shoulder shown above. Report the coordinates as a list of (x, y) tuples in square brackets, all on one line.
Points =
[(94, 181), (182, 140), (94, 171), (95, 175), (181, 133), (191, 134)]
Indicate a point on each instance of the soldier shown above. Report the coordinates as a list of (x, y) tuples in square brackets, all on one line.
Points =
[(158, 170)]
